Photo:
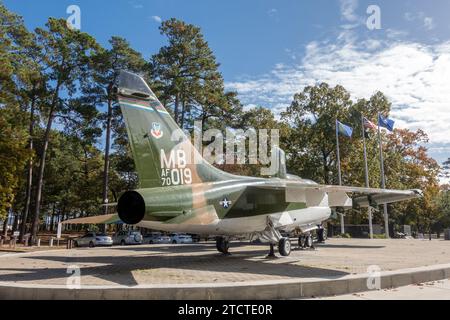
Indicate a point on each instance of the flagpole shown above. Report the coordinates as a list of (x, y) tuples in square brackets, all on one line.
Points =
[(383, 180), (339, 172), (369, 208)]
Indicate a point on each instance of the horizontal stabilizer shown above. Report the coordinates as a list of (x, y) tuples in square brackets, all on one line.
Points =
[(103, 219)]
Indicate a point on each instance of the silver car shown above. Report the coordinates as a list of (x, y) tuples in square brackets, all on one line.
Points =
[(156, 238), (94, 239), (127, 237), (181, 238)]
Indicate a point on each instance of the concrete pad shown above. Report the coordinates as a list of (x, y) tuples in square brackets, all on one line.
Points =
[(199, 272)]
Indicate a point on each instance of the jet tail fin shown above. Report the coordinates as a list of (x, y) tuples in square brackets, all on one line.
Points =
[(163, 154)]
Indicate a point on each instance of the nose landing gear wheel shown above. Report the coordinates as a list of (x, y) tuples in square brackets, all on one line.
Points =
[(284, 247)]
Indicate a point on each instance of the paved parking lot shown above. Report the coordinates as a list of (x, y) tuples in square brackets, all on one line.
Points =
[(201, 263)]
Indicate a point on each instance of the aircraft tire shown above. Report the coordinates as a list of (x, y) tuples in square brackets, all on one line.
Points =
[(309, 241), (222, 245), (284, 247), (219, 241), (225, 246), (321, 234), (301, 241)]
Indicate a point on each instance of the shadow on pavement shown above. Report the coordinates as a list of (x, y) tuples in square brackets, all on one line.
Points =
[(195, 258)]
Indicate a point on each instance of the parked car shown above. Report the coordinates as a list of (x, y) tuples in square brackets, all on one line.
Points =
[(195, 237), (180, 238), (94, 239), (156, 238), (127, 237)]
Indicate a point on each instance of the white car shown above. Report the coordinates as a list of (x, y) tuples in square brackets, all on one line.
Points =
[(180, 238), (94, 239), (127, 237)]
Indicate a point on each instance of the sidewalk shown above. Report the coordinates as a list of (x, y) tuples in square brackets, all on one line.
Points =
[(437, 290)]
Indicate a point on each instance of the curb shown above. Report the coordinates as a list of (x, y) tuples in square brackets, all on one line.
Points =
[(261, 290)]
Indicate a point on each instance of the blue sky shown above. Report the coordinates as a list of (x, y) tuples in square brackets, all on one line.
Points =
[(269, 50)]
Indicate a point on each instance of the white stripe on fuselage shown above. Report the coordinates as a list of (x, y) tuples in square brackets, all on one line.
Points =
[(245, 225)]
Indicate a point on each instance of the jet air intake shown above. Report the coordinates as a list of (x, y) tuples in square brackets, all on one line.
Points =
[(131, 207)]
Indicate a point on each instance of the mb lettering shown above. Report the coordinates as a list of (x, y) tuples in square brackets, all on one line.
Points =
[(174, 169)]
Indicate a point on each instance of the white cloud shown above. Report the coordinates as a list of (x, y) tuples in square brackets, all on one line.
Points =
[(348, 8), (414, 76), (428, 23), (136, 5), (272, 12), (157, 19), (409, 16)]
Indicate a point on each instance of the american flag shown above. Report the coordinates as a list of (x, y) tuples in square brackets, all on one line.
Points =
[(369, 124)]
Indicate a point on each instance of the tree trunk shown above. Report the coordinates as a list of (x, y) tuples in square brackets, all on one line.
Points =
[(106, 164), (5, 226), (52, 219), (183, 111), (326, 175), (177, 102), (23, 226), (15, 222), (40, 181)]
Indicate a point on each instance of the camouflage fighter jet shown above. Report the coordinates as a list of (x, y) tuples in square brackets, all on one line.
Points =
[(182, 192)]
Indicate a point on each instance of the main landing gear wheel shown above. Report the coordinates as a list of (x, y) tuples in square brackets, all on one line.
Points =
[(321, 235), (305, 241), (222, 245), (284, 247)]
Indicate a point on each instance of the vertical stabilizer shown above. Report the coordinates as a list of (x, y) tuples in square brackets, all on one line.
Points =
[(163, 154)]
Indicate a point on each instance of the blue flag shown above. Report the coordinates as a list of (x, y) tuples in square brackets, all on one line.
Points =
[(344, 129), (386, 123)]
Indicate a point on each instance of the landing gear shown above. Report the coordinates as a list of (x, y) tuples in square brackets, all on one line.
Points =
[(306, 241), (222, 245), (271, 254), (284, 247), (321, 234)]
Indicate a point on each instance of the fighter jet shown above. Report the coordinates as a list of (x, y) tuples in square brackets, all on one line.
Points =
[(181, 192)]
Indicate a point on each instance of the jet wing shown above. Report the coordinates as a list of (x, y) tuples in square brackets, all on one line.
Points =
[(299, 191), (103, 219)]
